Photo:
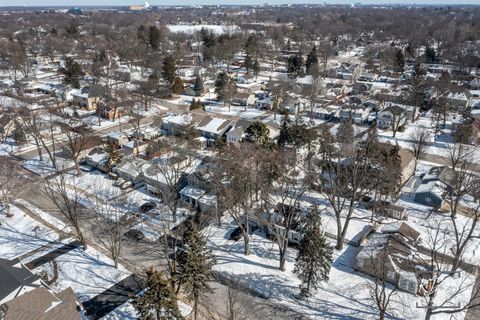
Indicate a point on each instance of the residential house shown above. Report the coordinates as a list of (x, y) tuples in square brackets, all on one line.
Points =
[(237, 132), (392, 254), (24, 296), (175, 124), (357, 113), (89, 96), (131, 169), (117, 138), (327, 112), (213, 128), (435, 185), (407, 161), (392, 116), (244, 99), (97, 158)]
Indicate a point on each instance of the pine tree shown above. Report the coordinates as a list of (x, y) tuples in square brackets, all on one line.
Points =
[(315, 256), (311, 64), (169, 70), (154, 37), (193, 104), (18, 135), (114, 156), (285, 135), (257, 132), (73, 71), (198, 86), (220, 85), (196, 271), (177, 87), (256, 68), (399, 60), (159, 301), (248, 64)]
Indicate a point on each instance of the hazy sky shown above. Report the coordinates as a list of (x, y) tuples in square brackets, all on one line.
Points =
[(188, 2)]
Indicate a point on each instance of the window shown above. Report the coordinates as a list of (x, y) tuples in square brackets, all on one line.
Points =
[(428, 199)]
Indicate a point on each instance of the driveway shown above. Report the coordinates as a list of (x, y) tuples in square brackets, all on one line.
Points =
[(113, 297)]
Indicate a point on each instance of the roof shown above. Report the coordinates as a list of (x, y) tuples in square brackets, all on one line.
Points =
[(13, 276), (41, 304)]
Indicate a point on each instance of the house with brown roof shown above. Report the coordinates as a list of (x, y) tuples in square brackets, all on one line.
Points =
[(23, 296)]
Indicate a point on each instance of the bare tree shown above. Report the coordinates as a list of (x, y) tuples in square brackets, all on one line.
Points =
[(78, 138), (115, 217), (419, 143), (67, 197), (8, 182)]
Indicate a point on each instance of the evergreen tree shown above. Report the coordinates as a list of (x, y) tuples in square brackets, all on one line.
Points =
[(196, 271), (257, 132), (177, 87), (430, 54), (315, 256), (220, 85), (295, 64), (399, 60), (198, 86), (248, 64), (193, 104), (159, 301), (114, 156), (256, 68), (169, 70), (154, 37), (285, 135), (18, 135), (73, 71), (311, 64)]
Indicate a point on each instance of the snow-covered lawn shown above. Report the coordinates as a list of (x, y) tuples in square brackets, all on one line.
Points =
[(45, 168), (127, 311), (45, 216), (21, 234), (345, 296), (88, 272)]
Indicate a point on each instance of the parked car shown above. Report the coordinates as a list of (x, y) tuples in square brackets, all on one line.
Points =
[(134, 234), (147, 206)]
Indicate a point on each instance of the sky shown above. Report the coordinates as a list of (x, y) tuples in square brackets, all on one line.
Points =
[(198, 2)]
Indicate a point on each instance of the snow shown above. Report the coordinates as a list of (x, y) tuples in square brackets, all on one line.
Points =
[(196, 28), (21, 234), (127, 311), (344, 296), (87, 272), (45, 216)]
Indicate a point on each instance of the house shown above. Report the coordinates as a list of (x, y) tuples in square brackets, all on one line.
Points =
[(435, 184), (237, 132), (393, 211), (392, 254), (357, 113), (244, 99), (135, 147), (89, 96), (213, 128), (24, 296), (97, 158), (175, 124), (131, 169), (117, 138), (327, 112), (392, 116), (407, 161)]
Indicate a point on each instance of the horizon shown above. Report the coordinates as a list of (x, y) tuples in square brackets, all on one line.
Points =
[(111, 3)]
